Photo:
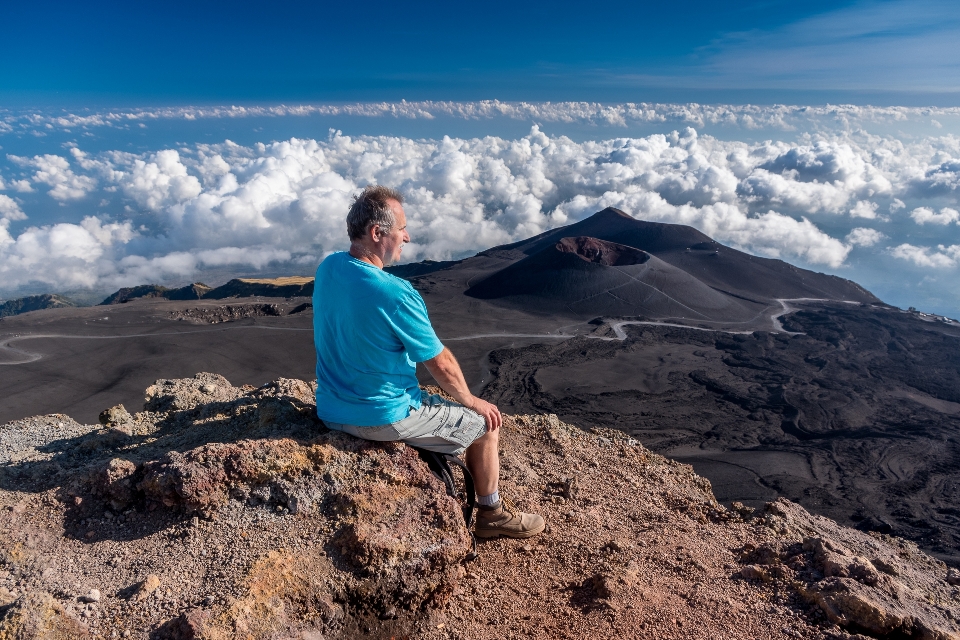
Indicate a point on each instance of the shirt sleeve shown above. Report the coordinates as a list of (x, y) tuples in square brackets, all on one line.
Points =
[(414, 330)]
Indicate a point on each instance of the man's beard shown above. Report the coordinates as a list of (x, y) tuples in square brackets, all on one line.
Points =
[(390, 260)]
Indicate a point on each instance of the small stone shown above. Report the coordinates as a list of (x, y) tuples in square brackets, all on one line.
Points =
[(389, 614), (115, 416), (953, 577), (92, 596), (195, 521), (527, 548), (208, 601), (148, 586), (189, 624), (329, 610), (615, 546), (209, 388), (753, 572)]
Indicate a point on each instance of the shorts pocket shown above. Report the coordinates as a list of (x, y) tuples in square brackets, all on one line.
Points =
[(464, 430)]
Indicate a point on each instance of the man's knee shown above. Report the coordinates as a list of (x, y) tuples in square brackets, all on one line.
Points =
[(490, 438)]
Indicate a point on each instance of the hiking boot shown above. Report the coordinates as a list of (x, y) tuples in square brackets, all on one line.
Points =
[(507, 520)]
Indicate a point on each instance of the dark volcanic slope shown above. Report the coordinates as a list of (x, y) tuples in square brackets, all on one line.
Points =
[(697, 254), (78, 361), (858, 418), (293, 286), (34, 303), (193, 291), (589, 277)]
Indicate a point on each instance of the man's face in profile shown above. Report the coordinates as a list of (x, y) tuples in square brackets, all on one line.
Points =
[(393, 242)]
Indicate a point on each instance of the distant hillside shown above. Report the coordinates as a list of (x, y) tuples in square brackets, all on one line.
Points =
[(193, 291), (414, 269), (126, 294), (34, 303), (723, 268), (289, 287), (596, 277)]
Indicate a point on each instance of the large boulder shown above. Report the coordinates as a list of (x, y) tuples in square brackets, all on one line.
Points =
[(385, 535), (869, 583)]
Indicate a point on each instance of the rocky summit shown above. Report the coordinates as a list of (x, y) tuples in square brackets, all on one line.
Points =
[(232, 512)]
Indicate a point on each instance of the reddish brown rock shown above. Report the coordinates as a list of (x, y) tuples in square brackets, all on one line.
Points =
[(192, 625), (116, 483), (38, 616), (867, 583)]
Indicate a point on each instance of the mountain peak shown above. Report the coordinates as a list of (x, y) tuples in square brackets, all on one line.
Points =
[(611, 212)]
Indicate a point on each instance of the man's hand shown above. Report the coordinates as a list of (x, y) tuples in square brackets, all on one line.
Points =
[(446, 371), (489, 411)]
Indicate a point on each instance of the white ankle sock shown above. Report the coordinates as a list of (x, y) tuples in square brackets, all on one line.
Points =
[(490, 500)]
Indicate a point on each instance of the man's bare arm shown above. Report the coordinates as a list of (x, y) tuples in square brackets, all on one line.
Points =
[(446, 371)]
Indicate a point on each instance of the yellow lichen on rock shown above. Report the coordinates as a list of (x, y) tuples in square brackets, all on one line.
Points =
[(280, 588), (38, 616)]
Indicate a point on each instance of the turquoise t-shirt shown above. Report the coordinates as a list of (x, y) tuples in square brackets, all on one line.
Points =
[(370, 329)]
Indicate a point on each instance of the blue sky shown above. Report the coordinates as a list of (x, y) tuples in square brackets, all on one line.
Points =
[(890, 52), (173, 142)]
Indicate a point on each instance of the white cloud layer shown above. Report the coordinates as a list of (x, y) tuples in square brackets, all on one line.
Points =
[(205, 206), (782, 117)]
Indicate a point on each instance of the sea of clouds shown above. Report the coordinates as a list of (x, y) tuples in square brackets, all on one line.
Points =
[(785, 117), (831, 189)]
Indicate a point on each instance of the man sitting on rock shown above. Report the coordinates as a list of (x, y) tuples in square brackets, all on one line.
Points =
[(370, 329)]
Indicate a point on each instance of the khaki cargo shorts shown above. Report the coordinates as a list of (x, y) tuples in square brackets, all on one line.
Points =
[(438, 425)]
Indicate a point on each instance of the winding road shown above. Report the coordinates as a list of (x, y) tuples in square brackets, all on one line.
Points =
[(619, 334)]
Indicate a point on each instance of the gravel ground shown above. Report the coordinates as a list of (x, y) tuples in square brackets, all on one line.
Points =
[(636, 545), (25, 440)]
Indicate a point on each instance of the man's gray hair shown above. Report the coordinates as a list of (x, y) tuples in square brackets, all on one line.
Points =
[(371, 206)]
